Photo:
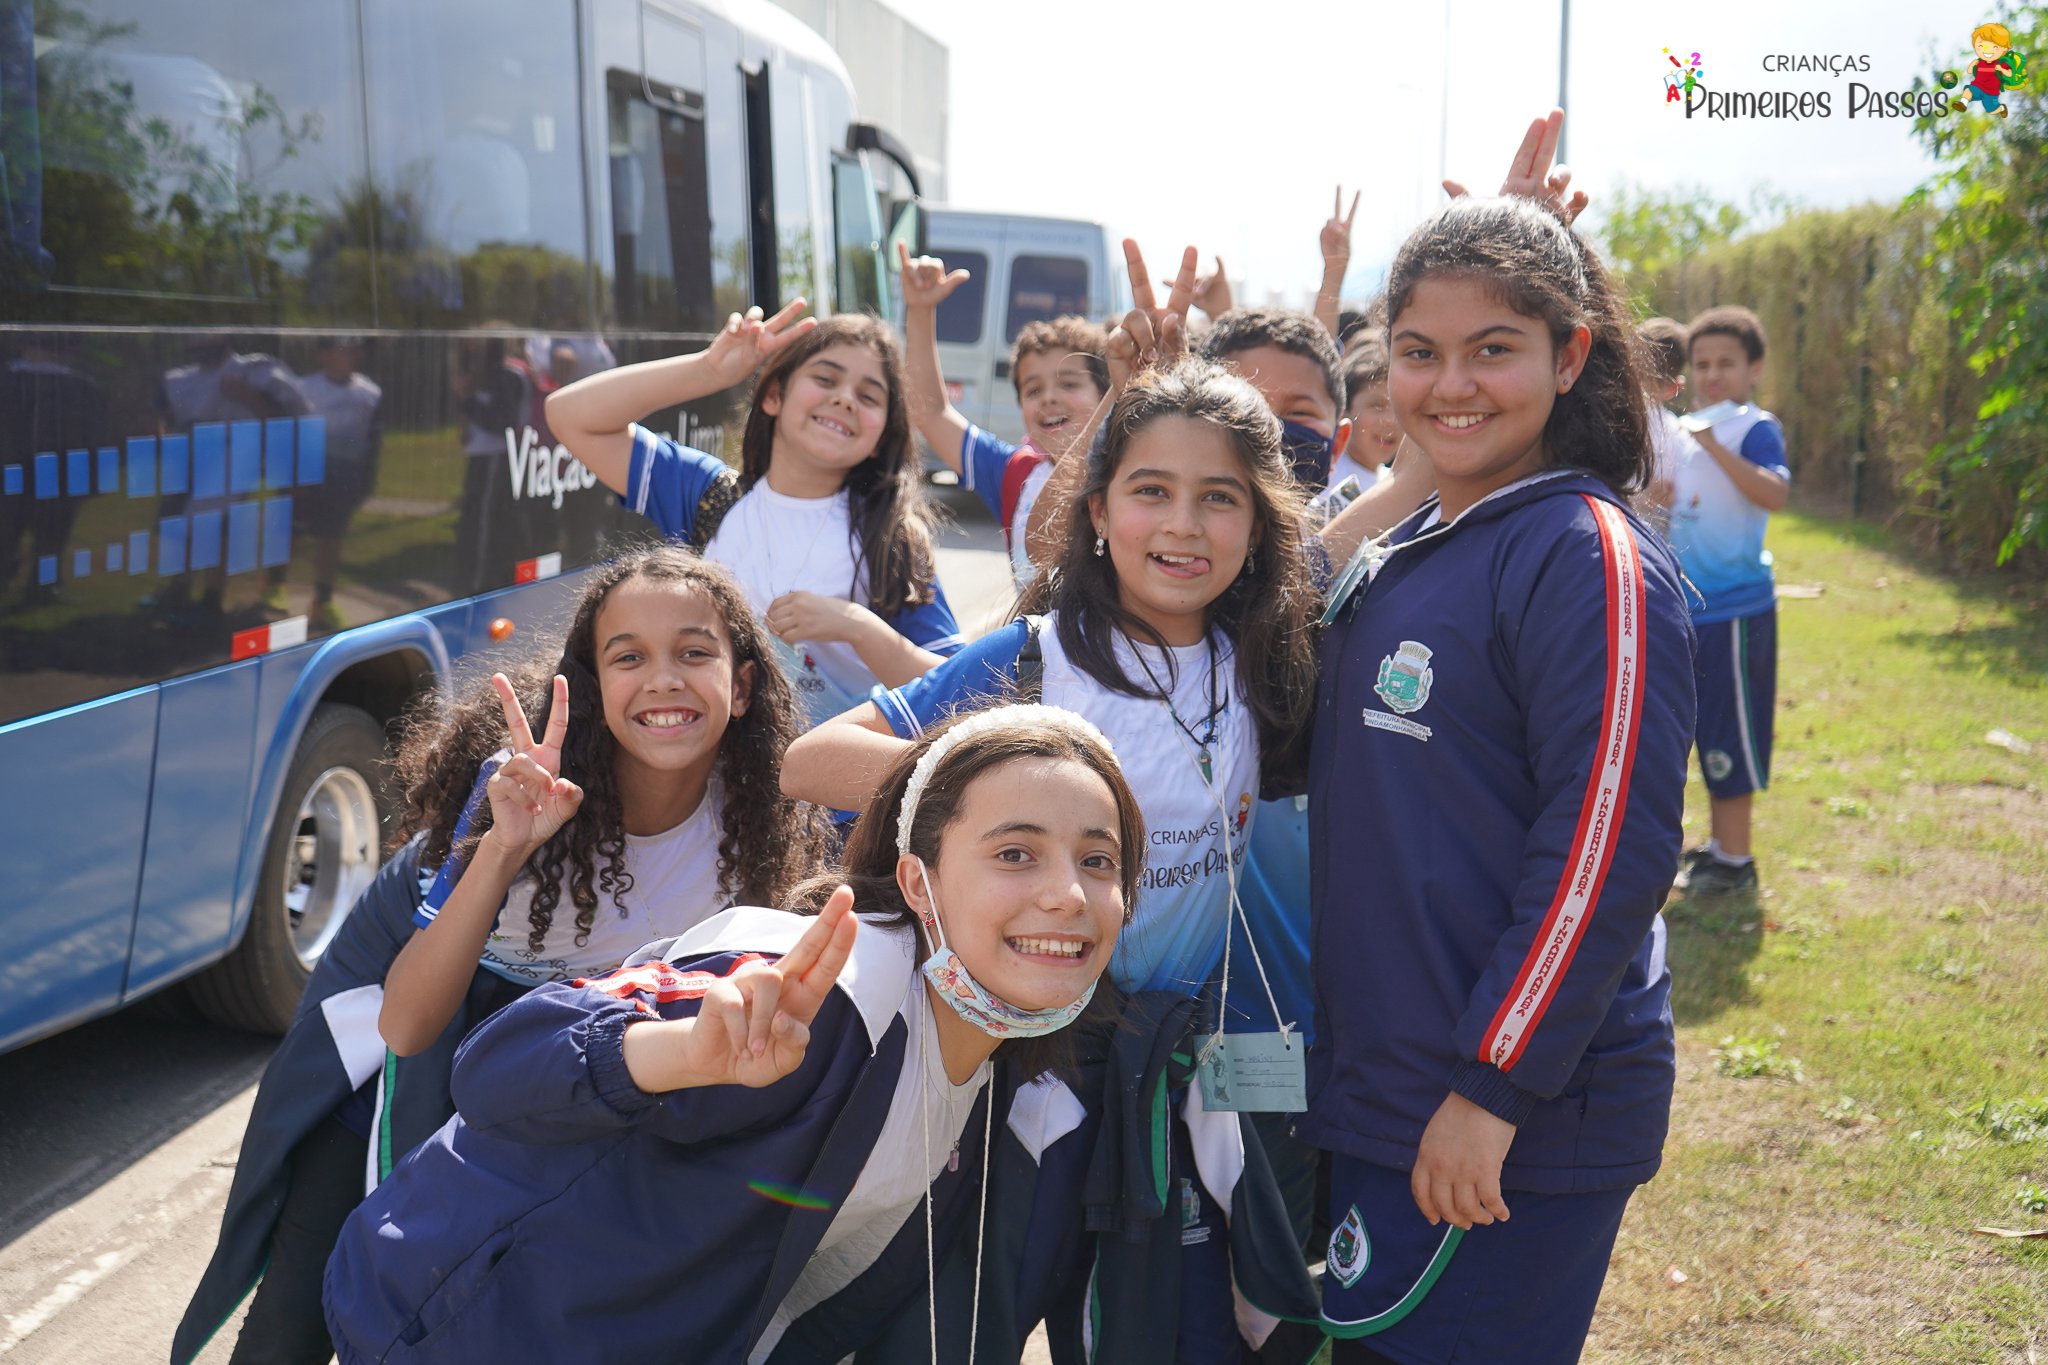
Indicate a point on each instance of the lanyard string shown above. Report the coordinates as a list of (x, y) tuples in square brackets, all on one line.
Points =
[(1236, 911), (924, 1123), (1210, 722)]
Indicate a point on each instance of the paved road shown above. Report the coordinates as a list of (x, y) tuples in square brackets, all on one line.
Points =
[(118, 1139)]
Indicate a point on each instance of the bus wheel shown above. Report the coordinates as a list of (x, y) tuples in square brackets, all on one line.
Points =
[(323, 853)]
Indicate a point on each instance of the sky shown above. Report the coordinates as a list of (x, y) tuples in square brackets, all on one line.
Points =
[(1228, 125)]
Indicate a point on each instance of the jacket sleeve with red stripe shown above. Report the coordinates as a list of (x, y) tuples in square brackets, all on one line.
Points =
[(1599, 651)]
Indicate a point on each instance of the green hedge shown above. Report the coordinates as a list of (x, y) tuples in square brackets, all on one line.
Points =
[(1908, 345), (1864, 364)]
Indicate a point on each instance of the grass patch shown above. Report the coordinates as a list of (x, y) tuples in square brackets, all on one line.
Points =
[(1743, 1059), (1894, 953)]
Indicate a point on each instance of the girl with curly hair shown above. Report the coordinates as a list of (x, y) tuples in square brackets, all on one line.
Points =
[(649, 803), (667, 715)]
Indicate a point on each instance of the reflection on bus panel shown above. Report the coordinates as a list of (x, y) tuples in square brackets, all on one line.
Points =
[(286, 289)]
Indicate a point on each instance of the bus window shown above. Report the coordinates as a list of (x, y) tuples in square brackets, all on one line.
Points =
[(661, 209), (185, 165), (959, 318), (799, 200), (857, 228), (474, 163), (1043, 288)]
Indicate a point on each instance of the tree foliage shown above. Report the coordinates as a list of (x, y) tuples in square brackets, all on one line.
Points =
[(1989, 264), (1646, 231)]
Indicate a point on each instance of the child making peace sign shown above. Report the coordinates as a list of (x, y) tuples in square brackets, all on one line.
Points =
[(649, 803), (752, 1142)]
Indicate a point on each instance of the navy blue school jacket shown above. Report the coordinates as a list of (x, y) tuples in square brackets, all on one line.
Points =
[(565, 1214), (1495, 794), (331, 1048)]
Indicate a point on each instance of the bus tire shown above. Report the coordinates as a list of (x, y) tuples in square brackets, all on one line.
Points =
[(322, 852)]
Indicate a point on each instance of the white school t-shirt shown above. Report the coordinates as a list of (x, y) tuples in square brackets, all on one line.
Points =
[(1344, 467), (1195, 829), (1671, 448), (776, 544), (675, 885), (896, 1176)]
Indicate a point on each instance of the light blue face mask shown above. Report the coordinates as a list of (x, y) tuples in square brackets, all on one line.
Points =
[(972, 1001), (943, 969)]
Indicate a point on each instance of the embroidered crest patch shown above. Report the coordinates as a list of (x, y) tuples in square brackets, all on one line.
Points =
[(1717, 763), (1405, 678), (1350, 1250)]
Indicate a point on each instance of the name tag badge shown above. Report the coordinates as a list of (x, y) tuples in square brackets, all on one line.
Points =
[(1255, 1073)]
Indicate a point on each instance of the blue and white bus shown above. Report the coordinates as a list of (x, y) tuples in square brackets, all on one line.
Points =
[(282, 288)]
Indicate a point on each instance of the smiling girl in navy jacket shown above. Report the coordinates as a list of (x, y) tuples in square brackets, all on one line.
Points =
[(751, 1142), (1496, 787)]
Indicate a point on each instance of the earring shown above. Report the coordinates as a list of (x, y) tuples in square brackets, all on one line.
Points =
[(1251, 563), (1098, 547)]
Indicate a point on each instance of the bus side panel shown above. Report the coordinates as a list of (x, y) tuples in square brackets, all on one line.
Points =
[(197, 819), (291, 684), (76, 819)]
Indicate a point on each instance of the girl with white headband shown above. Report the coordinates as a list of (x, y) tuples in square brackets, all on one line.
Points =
[(753, 1141), (1176, 618)]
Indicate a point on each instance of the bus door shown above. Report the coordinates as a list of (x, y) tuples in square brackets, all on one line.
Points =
[(662, 277), (787, 179)]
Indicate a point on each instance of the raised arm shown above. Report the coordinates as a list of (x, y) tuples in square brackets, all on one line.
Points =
[(1530, 175), (592, 416), (529, 803), (926, 285), (841, 763), (1336, 244), (1212, 292), (1382, 506), (1149, 335)]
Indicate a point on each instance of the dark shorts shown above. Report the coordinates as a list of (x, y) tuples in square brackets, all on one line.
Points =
[(1736, 671), (327, 508), (1520, 1291)]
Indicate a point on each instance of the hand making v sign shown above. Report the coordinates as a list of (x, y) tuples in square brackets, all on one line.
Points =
[(1530, 175), (529, 802), (1149, 334), (754, 1025)]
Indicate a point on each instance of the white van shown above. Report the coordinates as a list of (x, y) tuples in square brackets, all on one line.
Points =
[(1025, 269)]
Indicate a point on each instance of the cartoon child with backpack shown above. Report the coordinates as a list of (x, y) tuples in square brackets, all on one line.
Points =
[(1998, 69)]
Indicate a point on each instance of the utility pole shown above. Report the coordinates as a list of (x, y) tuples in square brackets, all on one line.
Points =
[(1443, 125), (1564, 59)]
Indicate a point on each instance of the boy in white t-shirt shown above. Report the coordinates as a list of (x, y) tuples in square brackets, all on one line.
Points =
[(1375, 435), (1735, 474)]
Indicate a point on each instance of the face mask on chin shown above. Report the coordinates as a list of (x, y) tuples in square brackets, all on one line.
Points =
[(972, 1001)]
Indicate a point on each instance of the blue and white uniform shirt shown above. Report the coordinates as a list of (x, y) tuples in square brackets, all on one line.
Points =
[(1198, 830), (1717, 532)]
